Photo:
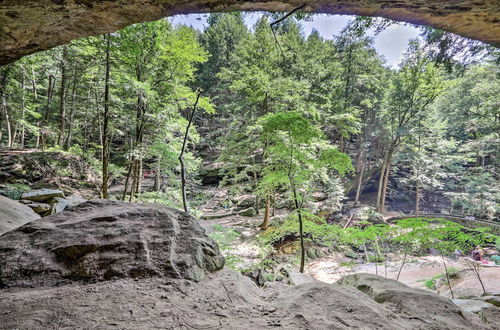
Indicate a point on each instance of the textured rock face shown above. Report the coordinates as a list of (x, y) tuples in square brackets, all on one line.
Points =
[(32, 25), (102, 240), (438, 311), (14, 214), (223, 300), (42, 195)]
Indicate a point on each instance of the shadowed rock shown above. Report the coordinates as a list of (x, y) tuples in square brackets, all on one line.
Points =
[(101, 240), (30, 26)]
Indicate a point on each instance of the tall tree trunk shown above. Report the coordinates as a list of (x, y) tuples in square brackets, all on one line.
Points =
[(417, 198), (380, 184), (181, 159), (386, 182), (134, 181), (301, 230), (125, 188), (23, 110), (67, 143), (257, 199), (157, 182), (384, 177), (447, 277), (8, 122), (4, 76), (62, 98), (267, 214), (402, 265), (360, 180), (45, 122), (105, 133)]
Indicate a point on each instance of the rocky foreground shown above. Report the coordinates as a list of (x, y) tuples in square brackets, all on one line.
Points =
[(108, 264)]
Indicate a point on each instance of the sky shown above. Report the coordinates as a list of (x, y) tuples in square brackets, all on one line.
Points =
[(390, 43)]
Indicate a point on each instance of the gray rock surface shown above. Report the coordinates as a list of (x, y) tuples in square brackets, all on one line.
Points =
[(39, 207), (438, 311), (471, 305), (222, 300), (59, 204), (245, 201), (42, 195), (75, 200), (297, 278), (101, 240), (14, 214), (248, 212), (494, 300)]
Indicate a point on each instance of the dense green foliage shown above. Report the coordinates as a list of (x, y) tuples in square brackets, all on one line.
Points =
[(428, 130)]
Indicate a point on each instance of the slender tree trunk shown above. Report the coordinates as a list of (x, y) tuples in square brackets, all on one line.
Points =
[(134, 181), (257, 199), (402, 265), (105, 128), (384, 189), (139, 177), (447, 277), (417, 198), (274, 204), (33, 83), (157, 182), (23, 110), (8, 122), (181, 160), (267, 214), (67, 142), (380, 185), (4, 76), (360, 180), (45, 122), (125, 189), (301, 230), (62, 99), (475, 269)]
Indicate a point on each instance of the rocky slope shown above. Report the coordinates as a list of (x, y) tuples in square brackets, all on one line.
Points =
[(39, 169), (108, 264)]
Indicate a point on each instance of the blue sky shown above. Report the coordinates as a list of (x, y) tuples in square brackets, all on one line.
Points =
[(390, 43)]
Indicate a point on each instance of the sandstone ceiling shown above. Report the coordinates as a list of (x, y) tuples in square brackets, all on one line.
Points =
[(28, 26)]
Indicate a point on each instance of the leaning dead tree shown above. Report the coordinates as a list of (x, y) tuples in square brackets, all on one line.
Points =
[(181, 159), (279, 21)]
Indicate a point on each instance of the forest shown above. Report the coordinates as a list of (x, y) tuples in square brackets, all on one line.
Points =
[(289, 148)]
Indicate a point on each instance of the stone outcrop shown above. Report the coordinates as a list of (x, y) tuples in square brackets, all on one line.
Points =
[(102, 240), (14, 214), (42, 195), (439, 312), (223, 300), (49, 201), (30, 26)]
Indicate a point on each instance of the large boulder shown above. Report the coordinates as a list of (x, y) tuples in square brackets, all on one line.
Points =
[(101, 240), (245, 201), (248, 212), (438, 311), (365, 213), (14, 214)]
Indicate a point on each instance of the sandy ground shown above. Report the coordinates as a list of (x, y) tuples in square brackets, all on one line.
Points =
[(330, 269)]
